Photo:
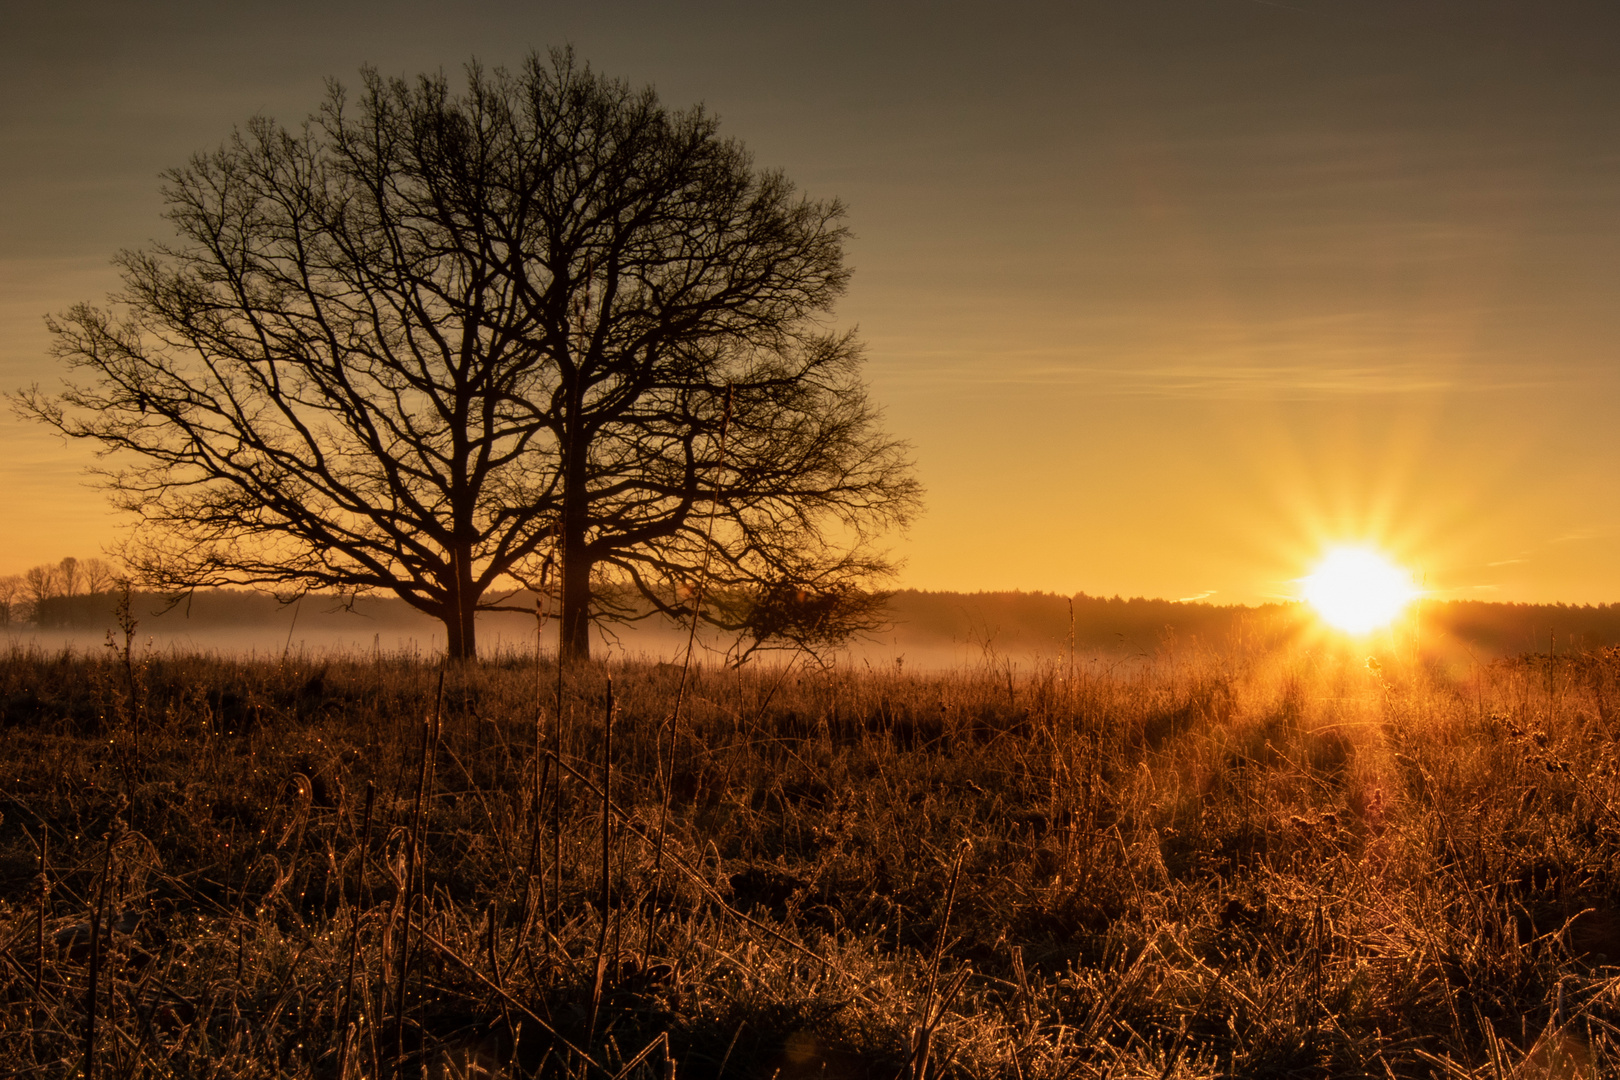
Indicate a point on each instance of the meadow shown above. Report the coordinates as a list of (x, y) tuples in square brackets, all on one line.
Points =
[(1240, 862)]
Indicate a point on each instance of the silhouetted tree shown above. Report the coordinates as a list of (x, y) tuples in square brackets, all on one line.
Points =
[(11, 589), (39, 586), (100, 576), (430, 342), (67, 581), (67, 576)]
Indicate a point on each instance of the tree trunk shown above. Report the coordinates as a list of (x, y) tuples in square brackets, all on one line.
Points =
[(574, 638), (575, 642), (461, 637)]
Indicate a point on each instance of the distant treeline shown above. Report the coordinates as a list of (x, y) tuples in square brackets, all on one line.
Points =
[(50, 594), (1023, 621), (85, 596), (1512, 629), (1020, 621), (215, 608)]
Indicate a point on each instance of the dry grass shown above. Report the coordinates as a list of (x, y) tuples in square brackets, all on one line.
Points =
[(1270, 865)]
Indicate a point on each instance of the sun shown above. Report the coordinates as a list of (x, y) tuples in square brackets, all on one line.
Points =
[(1357, 590)]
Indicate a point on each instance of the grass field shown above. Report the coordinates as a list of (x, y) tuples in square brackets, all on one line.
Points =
[(1243, 865)]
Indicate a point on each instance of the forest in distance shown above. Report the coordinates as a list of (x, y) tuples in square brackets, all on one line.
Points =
[(924, 627)]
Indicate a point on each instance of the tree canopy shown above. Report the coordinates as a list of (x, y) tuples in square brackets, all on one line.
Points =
[(542, 330)]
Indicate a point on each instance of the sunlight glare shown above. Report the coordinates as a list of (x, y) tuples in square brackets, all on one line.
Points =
[(1357, 590)]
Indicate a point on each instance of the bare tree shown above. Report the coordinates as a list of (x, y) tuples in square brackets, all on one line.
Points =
[(11, 588), (430, 343), (68, 577), (99, 575), (39, 588)]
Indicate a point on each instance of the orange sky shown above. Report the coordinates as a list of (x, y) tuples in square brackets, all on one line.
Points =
[(1166, 295)]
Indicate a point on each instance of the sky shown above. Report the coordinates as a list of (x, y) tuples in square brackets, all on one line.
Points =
[(1168, 296)]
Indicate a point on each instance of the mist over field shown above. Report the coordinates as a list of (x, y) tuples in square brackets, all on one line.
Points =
[(926, 631)]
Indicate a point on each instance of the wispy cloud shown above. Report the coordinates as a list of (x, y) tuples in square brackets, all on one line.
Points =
[(1219, 380), (1268, 380)]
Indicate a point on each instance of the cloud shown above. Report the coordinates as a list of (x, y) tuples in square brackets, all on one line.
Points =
[(1296, 380), (1361, 353), (1218, 380)]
